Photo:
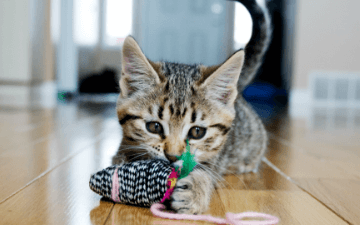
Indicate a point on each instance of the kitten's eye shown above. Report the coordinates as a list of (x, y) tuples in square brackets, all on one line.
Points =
[(197, 132), (154, 127)]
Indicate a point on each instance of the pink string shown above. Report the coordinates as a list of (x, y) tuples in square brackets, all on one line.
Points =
[(231, 218)]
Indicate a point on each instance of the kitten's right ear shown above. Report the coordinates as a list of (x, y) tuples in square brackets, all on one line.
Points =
[(137, 74)]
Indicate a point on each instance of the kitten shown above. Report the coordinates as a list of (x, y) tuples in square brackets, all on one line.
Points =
[(161, 104)]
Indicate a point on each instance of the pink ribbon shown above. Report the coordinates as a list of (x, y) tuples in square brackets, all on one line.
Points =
[(115, 187)]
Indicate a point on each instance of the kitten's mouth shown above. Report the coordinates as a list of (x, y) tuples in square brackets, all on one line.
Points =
[(171, 158)]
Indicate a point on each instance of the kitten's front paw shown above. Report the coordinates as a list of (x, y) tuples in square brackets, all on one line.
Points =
[(250, 165), (192, 194)]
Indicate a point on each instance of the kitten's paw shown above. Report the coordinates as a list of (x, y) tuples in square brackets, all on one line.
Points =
[(249, 166), (192, 194)]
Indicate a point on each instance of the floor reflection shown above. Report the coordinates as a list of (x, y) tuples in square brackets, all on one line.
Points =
[(334, 118), (97, 214)]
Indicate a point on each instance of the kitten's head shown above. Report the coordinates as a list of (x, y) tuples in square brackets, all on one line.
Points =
[(162, 104)]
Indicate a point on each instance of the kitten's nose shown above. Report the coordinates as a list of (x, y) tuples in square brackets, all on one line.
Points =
[(171, 158)]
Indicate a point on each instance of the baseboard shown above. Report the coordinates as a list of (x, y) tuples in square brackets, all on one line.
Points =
[(43, 95), (98, 98), (300, 103), (14, 96)]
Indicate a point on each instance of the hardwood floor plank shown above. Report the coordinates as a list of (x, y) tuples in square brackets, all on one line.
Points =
[(265, 179), (63, 196), (292, 207), (28, 163), (297, 163), (29, 159), (53, 124), (341, 195), (269, 192), (17, 121), (323, 162), (336, 146)]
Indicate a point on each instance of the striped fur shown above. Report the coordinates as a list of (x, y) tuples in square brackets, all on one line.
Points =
[(179, 97)]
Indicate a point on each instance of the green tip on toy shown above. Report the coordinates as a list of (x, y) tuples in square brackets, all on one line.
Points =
[(188, 161)]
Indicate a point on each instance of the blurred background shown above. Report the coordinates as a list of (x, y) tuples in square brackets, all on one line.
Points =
[(56, 51)]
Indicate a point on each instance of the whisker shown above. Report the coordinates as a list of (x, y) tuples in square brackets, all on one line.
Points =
[(132, 146), (135, 147), (213, 174), (130, 150), (140, 144), (232, 173), (209, 173), (136, 153), (237, 176), (139, 156), (221, 181), (221, 177)]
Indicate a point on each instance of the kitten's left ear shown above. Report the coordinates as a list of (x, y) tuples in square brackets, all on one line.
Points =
[(221, 85)]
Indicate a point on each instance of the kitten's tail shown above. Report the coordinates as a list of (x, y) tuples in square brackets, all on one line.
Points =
[(259, 41)]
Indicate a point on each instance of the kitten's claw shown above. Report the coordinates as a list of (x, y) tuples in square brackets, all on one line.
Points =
[(192, 194)]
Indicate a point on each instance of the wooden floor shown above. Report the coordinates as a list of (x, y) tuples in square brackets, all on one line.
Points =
[(311, 174)]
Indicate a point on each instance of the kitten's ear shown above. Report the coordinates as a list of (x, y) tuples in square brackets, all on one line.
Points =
[(137, 74), (221, 85)]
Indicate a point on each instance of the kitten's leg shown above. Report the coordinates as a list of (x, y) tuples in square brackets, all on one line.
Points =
[(247, 142), (251, 164), (192, 194)]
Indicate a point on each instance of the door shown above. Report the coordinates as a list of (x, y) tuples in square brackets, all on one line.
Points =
[(185, 31)]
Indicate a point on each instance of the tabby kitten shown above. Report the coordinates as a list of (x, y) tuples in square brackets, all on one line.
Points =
[(161, 104)]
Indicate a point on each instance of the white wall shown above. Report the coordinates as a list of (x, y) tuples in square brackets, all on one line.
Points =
[(327, 38), (327, 41), (15, 63), (26, 55)]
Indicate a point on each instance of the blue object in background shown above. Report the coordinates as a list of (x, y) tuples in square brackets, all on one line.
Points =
[(265, 98)]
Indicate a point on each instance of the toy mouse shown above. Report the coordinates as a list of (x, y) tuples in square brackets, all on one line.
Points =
[(151, 182)]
